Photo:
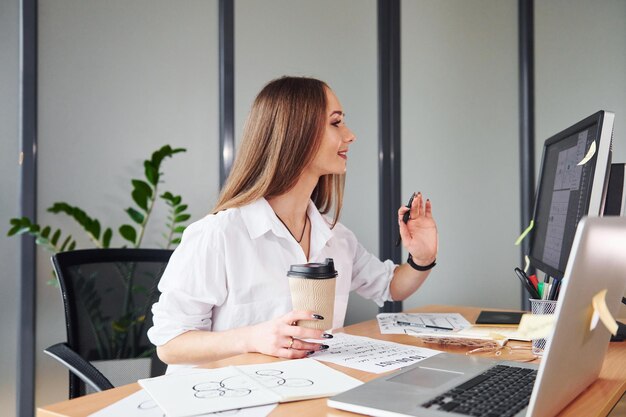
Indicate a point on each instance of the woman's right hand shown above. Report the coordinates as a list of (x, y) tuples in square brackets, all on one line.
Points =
[(282, 338)]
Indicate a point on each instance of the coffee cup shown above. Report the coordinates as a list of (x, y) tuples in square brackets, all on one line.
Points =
[(312, 288)]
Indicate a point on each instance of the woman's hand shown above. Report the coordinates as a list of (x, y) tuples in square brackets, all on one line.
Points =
[(282, 338), (419, 234)]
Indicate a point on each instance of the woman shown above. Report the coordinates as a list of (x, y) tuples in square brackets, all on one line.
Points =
[(225, 290)]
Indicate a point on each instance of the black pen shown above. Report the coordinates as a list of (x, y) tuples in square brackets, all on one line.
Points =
[(405, 217), (527, 283), (427, 326)]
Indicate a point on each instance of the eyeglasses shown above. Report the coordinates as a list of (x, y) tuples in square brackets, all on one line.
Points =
[(515, 353)]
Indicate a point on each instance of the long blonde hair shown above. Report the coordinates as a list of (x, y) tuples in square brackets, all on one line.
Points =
[(281, 137)]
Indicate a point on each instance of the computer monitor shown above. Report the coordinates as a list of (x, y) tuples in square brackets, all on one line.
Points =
[(569, 189)]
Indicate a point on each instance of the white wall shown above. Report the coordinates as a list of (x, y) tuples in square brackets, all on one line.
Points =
[(460, 144), (580, 66), (117, 80), (334, 41), (9, 201)]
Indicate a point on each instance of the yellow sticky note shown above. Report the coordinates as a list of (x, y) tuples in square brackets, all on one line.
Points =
[(525, 232), (536, 326), (590, 153), (600, 308)]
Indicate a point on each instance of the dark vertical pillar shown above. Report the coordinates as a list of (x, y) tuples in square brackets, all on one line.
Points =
[(28, 207), (227, 87), (527, 121), (389, 132)]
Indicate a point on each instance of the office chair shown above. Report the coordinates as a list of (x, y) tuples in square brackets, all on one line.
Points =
[(107, 297)]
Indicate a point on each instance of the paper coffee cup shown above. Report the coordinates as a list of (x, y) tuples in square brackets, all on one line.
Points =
[(312, 288)]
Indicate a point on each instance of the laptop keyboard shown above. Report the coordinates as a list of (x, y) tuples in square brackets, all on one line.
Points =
[(501, 391)]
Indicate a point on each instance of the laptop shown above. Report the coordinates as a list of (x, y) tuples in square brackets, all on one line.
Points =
[(444, 385)]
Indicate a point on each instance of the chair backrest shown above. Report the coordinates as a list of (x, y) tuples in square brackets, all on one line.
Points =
[(108, 296)]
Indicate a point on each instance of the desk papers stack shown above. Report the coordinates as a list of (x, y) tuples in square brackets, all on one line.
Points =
[(209, 390)]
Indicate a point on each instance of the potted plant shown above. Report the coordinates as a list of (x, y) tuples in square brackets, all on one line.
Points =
[(116, 333)]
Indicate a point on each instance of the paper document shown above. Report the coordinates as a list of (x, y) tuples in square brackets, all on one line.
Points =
[(140, 404), (409, 323), (371, 355), (233, 387)]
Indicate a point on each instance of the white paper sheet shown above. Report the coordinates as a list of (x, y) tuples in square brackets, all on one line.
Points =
[(140, 404), (371, 355), (206, 392), (387, 322), (210, 390), (300, 379)]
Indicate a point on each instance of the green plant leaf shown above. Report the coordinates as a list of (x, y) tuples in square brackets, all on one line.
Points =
[(142, 192), (181, 218), (72, 246), (106, 237), (175, 241), (65, 243), (151, 172), (45, 232), (180, 229), (94, 226), (135, 215), (128, 233), (55, 237), (176, 200), (167, 196), (140, 198), (61, 207), (180, 208)]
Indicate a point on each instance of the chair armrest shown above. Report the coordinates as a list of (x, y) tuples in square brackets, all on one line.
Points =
[(79, 366)]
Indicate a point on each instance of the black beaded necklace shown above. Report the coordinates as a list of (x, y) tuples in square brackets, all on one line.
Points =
[(306, 219)]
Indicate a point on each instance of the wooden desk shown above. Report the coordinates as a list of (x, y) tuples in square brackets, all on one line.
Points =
[(597, 400)]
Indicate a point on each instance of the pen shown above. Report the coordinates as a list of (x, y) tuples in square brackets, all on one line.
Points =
[(553, 291), (406, 216), (427, 326), (527, 283)]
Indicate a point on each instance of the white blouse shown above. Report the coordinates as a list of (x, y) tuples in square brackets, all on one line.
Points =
[(230, 270)]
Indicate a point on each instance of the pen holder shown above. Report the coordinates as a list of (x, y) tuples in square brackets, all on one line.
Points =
[(541, 307)]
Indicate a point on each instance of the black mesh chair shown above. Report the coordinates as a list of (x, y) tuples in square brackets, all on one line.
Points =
[(108, 296)]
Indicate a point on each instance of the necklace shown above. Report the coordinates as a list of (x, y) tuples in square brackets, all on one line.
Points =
[(306, 219)]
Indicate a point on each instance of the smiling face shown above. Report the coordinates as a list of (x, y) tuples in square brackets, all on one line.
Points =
[(332, 155)]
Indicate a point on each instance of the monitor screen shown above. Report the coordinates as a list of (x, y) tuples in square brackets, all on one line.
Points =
[(572, 184)]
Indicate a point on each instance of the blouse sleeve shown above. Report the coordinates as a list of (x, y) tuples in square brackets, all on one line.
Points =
[(193, 283), (370, 276)]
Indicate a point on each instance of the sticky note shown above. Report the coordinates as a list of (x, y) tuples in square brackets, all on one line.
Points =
[(525, 232), (600, 308), (536, 326), (590, 153)]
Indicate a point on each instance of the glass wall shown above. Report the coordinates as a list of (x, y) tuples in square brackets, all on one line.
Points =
[(334, 41), (118, 80), (460, 144)]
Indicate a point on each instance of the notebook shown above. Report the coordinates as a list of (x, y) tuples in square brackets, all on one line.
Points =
[(443, 385)]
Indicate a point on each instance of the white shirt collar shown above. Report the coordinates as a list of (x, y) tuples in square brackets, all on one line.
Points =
[(259, 219)]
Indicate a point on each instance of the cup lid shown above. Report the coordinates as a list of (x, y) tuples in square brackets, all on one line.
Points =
[(324, 270)]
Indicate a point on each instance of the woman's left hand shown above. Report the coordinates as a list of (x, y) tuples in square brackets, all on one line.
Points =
[(419, 234)]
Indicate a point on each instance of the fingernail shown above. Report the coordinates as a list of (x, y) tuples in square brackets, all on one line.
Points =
[(327, 336), (310, 352), (318, 317), (324, 347)]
